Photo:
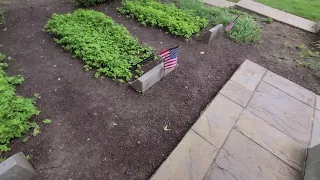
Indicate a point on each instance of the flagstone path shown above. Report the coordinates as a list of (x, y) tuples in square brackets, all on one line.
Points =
[(257, 127), (278, 15)]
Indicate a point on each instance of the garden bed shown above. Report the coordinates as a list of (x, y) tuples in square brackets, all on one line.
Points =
[(102, 129), (99, 42)]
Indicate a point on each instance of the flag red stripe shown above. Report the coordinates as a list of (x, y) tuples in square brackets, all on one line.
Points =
[(165, 51), (169, 61), (171, 64)]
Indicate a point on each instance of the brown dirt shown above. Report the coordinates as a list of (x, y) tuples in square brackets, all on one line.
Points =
[(102, 129)]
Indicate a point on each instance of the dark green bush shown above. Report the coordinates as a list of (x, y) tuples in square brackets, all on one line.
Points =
[(99, 42), (151, 12), (87, 3)]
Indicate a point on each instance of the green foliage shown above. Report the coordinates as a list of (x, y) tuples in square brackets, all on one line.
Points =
[(151, 12), (310, 59), (245, 30), (15, 111), (87, 3), (46, 121), (99, 42)]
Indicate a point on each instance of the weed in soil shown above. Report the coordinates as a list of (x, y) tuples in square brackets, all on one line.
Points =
[(99, 42)]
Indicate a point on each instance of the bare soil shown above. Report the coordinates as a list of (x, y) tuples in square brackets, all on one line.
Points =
[(102, 129)]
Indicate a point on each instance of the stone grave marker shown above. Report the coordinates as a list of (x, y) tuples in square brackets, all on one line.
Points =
[(150, 78), (16, 167), (212, 34)]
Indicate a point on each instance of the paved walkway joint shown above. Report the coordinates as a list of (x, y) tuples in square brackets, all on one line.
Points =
[(259, 126)]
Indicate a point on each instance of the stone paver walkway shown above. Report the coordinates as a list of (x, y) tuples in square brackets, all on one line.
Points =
[(278, 15), (258, 127)]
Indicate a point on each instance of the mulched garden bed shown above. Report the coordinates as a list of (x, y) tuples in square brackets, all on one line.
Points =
[(102, 129)]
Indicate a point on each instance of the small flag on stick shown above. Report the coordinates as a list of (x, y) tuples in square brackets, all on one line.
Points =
[(229, 27), (170, 57)]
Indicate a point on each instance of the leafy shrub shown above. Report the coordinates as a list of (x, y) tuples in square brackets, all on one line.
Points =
[(88, 2), (99, 42), (15, 111), (150, 12), (245, 30)]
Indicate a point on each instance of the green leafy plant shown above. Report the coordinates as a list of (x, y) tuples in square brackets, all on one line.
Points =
[(310, 58), (46, 121), (87, 3), (245, 30), (15, 110), (151, 12), (99, 42)]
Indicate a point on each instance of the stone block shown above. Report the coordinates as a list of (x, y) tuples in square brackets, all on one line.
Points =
[(217, 120), (316, 129), (290, 88), (283, 112), (150, 78), (236, 93), (245, 160), (249, 75), (213, 33), (16, 167), (312, 171), (189, 160), (273, 140)]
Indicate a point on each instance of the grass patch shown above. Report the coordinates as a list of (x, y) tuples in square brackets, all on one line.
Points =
[(245, 30), (99, 41), (154, 13), (15, 110), (309, 9)]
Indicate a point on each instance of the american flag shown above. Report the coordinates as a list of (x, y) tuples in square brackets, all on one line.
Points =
[(170, 57), (228, 28)]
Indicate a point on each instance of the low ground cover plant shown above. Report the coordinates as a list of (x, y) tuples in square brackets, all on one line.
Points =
[(154, 13), (15, 110), (245, 30), (310, 58), (99, 42), (87, 3)]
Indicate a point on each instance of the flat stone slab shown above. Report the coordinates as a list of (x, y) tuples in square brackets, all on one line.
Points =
[(16, 167), (219, 3), (313, 164), (318, 102), (150, 78), (246, 160), (248, 75), (278, 15), (283, 112), (290, 88), (217, 120), (316, 129), (276, 142), (236, 93), (217, 173), (189, 160)]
